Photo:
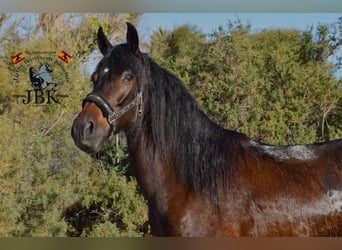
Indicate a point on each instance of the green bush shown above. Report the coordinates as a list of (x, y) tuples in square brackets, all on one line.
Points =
[(48, 186)]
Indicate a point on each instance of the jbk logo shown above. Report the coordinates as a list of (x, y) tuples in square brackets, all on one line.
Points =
[(43, 78), (45, 74), (40, 97)]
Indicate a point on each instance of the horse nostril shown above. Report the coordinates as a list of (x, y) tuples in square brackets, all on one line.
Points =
[(89, 128)]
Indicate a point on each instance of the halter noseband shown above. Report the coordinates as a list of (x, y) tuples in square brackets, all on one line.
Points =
[(108, 111)]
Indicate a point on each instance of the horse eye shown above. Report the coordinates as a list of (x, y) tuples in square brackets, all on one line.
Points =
[(128, 77)]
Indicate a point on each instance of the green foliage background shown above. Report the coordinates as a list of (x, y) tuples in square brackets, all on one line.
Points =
[(275, 85), (48, 186)]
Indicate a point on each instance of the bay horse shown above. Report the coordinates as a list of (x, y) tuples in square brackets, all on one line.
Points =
[(200, 179)]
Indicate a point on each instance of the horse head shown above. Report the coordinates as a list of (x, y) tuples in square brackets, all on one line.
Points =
[(113, 104)]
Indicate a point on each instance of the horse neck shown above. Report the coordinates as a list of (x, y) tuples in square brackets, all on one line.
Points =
[(175, 143), (152, 153), (155, 178)]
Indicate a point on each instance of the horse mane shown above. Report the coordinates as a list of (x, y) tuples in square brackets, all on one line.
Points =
[(178, 130)]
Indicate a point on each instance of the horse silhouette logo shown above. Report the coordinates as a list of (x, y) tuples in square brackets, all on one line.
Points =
[(42, 79)]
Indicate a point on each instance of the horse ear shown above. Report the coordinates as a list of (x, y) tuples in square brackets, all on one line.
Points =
[(132, 38), (102, 42)]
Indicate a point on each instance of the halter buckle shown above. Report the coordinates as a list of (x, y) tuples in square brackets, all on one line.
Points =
[(112, 117)]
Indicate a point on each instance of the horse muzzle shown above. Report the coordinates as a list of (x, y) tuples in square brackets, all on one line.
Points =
[(87, 134)]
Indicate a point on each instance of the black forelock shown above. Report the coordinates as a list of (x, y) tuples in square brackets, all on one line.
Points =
[(119, 59)]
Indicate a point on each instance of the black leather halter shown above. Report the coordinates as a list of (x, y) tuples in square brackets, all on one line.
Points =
[(108, 111)]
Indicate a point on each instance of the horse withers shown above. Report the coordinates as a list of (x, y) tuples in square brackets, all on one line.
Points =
[(200, 179)]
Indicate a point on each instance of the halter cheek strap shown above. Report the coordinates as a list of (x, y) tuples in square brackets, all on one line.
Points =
[(108, 111)]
